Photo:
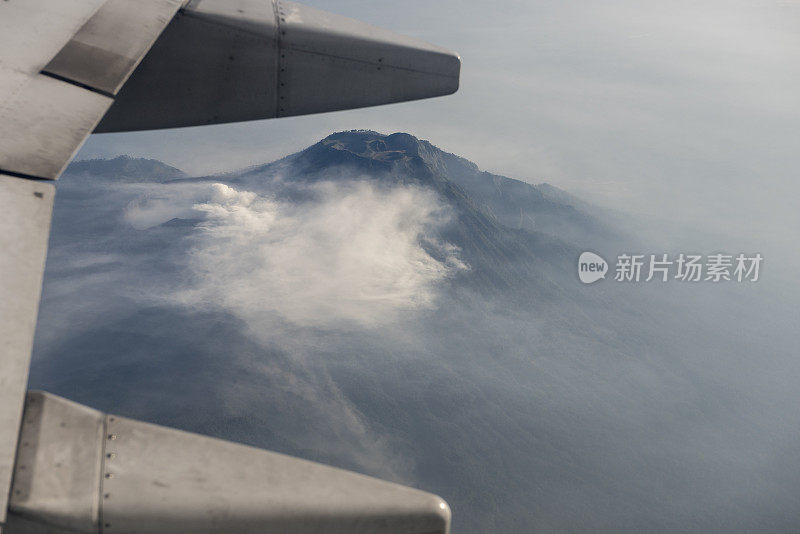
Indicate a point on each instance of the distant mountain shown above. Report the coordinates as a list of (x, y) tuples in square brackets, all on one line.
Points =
[(398, 157), (515, 236), (513, 203), (510, 234), (126, 169)]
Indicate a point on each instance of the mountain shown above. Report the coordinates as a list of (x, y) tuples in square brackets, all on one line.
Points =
[(511, 232), (512, 203), (397, 158), (125, 169), (243, 363), (381, 305)]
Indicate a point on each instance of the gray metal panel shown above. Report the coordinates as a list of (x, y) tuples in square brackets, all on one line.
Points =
[(43, 126), (25, 211), (223, 62), (110, 45), (212, 64), (22, 525), (255, 16), (40, 121), (161, 480), (147, 478), (313, 30), (350, 84), (59, 464), (329, 63), (31, 33)]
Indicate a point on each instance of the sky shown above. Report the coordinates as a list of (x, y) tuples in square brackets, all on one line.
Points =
[(685, 113)]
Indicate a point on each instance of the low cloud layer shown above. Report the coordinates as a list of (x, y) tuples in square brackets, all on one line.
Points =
[(156, 204), (355, 253)]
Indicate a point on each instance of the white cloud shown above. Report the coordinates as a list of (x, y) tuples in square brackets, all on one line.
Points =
[(355, 256), (161, 203)]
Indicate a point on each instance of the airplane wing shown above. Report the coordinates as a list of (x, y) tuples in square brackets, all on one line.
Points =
[(71, 67)]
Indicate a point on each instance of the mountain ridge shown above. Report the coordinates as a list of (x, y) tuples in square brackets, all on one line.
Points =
[(126, 169), (515, 204), (512, 234)]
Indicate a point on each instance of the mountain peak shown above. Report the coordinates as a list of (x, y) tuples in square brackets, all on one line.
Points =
[(378, 147), (404, 157), (374, 145), (126, 168)]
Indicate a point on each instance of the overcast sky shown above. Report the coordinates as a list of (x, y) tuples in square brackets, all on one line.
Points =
[(686, 111)]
